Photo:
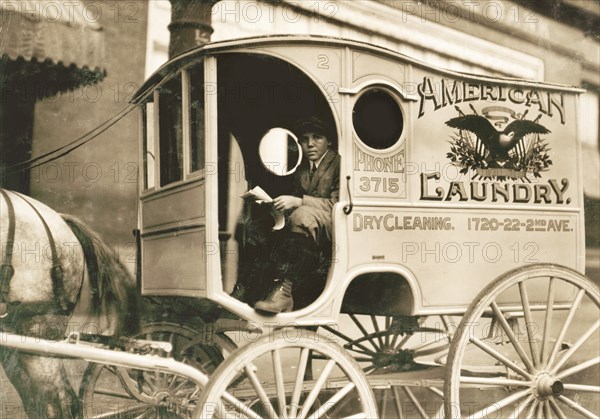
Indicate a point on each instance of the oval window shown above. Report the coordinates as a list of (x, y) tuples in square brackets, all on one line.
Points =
[(377, 119), (280, 152)]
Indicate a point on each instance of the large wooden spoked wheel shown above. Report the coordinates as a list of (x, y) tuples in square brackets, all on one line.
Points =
[(528, 347), (109, 391), (271, 378), (402, 357)]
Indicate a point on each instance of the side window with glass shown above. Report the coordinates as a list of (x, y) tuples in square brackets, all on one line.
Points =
[(170, 132), (148, 152), (197, 122)]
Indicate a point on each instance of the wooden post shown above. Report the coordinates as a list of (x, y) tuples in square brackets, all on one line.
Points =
[(191, 25)]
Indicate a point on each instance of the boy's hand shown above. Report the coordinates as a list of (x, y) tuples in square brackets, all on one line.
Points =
[(286, 202)]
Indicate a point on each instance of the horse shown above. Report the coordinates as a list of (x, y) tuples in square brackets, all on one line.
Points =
[(53, 266)]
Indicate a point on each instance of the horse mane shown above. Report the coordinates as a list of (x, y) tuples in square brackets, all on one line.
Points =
[(110, 281)]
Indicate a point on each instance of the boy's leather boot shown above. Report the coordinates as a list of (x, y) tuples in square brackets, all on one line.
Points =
[(279, 300)]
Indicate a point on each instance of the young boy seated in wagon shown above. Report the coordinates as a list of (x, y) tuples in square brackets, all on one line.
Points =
[(296, 251)]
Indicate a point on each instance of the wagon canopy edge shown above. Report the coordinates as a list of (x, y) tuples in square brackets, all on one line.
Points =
[(224, 46)]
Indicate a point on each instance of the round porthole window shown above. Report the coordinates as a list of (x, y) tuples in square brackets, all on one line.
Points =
[(377, 119)]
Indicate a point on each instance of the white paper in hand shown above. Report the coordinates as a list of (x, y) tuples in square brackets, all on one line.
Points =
[(258, 195)]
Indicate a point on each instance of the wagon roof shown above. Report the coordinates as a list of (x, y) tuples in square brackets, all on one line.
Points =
[(224, 46)]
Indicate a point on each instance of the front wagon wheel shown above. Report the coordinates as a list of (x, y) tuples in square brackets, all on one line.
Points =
[(528, 348), (273, 378)]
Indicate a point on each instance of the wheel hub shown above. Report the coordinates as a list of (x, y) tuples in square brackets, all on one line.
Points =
[(546, 386), (400, 358), (162, 397)]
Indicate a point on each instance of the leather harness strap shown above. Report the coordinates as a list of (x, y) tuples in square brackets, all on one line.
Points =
[(6, 270), (56, 272)]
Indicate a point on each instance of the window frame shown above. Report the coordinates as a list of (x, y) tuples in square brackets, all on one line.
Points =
[(396, 96)]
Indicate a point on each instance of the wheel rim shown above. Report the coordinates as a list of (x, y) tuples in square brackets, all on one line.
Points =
[(528, 348), (269, 378), (384, 345), (113, 392)]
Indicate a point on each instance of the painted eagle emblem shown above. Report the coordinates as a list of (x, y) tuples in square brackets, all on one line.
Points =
[(498, 143)]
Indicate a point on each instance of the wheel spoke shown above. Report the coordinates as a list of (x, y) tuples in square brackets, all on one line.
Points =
[(582, 387), (394, 340), (383, 403), (501, 404), (512, 337), (349, 340), (548, 319), (576, 407), (566, 326), (312, 396), (577, 368), (397, 402), (176, 383), (337, 333), (376, 327), (425, 349), (131, 386), (368, 369), (556, 409), (260, 391), (388, 324), (412, 397), (544, 410), (532, 409), (403, 342), (436, 391), (520, 407), (363, 331), (302, 362), (339, 395), (150, 378), (575, 347), (112, 393), (371, 353), (237, 405), (528, 323), (278, 372), (494, 353)]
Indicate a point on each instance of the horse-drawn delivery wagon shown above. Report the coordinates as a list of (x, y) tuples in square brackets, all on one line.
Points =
[(450, 284)]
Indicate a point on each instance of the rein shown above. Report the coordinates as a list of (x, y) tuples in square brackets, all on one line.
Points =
[(61, 305), (6, 270)]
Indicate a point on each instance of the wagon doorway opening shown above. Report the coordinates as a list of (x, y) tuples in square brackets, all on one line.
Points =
[(260, 101)]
